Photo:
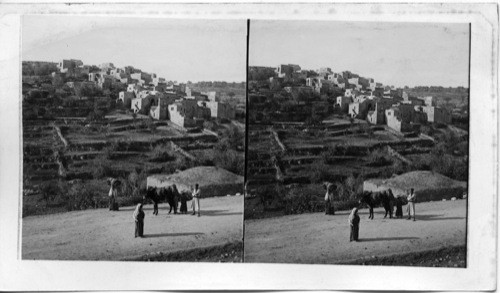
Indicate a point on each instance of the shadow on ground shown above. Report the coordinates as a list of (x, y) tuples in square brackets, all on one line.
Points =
[(211, 213), (172, 234), (436, 217), (386, 239)]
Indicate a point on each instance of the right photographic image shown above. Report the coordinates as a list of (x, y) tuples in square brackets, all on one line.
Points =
[(357, 143)]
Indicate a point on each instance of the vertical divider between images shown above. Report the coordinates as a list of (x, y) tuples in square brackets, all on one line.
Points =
[(246, 137), (468, 152), (21, 143)]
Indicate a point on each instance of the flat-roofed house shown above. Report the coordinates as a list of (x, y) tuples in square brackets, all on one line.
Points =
[(139, 105), (221, 110), (126, 98), (69, 66)]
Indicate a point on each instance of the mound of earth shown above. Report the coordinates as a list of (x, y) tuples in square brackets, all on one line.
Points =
[(213, 181), (428, 185)]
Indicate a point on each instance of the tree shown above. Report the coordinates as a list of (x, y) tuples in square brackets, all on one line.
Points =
[(57, 81)]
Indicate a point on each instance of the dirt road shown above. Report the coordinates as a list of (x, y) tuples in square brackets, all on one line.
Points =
[(317, 238), (104, 235)]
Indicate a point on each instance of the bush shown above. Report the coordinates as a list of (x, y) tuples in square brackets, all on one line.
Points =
[(161, 153), (328, 154), (80, 198), (209, 125), (230, 160), (320, 172), (101, 167), (379, 158), (453, 167), (135, 184), (52, 190), (301, 203), (271, 196), (108, 152), (351, 186)]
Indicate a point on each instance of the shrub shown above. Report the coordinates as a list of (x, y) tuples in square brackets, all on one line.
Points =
[(379, 157), (52, 190), (101, 167), (320, 172), (80, 198), (271, 196), (301, 203), (183, 163), (209, 125), (135, 185), (328, 154), (448, 165), (161, 153), (348, 189), (230, 160), (108, 152)]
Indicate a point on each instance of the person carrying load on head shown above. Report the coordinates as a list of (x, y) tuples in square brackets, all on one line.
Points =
[(329, 208), (113, 194)]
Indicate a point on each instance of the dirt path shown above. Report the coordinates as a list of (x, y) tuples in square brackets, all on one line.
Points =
[(317, 238), (104, 235)]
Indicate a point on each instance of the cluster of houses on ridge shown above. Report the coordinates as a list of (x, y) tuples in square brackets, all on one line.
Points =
[(366, 99), (146, 93)]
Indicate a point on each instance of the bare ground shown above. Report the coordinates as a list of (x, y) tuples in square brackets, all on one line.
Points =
[(320, 239), (104, 235)]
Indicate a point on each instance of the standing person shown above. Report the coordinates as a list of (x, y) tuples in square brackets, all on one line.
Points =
[(411, 204), (175, 198), (399, 207), (196, 199), (113, 194), (354, 224), (329, 209), (392, 201), (183, 199), (139, 221)]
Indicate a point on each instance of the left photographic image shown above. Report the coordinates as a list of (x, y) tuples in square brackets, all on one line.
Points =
[(133, 136)]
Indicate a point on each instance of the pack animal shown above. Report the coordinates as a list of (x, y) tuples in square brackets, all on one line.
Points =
[(169, 194), (373, 199)]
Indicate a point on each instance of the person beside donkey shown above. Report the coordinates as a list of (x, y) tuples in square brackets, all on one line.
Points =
[(139, 221), (399, 207), (392, 200), (412, 197), (329, 209), (183, 198), (196, 199), (354, 224)]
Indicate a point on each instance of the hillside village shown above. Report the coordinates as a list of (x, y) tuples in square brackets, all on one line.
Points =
[(148, 94), (310, 126), (362, 98), (84, 123)]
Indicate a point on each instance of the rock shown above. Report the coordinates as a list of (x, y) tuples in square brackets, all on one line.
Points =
[(453, 198), (444, 199)]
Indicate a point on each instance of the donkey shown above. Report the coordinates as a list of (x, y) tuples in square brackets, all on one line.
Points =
[(373, 199), (170, 194)]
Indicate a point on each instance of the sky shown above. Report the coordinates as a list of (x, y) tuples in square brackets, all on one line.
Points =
[(399, 54), (176, 49)]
